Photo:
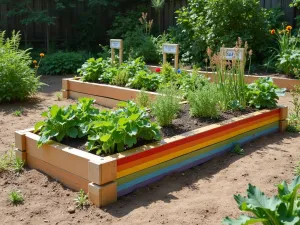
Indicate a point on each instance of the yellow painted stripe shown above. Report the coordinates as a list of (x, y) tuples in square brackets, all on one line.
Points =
[(193, 148)]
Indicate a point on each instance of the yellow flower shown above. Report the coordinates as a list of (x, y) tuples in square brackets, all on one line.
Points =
[(34, 62), (289, 28), (273, 31), (42, 55)]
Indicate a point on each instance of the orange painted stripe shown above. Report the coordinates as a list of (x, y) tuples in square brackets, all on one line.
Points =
[(190, 144)]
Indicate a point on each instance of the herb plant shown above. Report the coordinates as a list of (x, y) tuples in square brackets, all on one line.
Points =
[(205, 102), (142, 99), (18, 165), (81, 199), (294, 116), (115, 131), (166, 106), (16, 197), (280, 209), (263, 93)]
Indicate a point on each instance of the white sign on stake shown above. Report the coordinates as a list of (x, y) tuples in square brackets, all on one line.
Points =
[(116, 44), (171, 49), (233, 53)]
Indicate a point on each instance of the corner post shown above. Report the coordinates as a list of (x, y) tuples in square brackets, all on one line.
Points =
[(20, 145), (283, 122), (65, 88)]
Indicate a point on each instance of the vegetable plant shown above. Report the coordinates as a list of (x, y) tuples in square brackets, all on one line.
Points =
[(72, 121), (115, 131), (143, 79), (281, 209), (166, 106), (142, 99), (92, 69), (263, 93)]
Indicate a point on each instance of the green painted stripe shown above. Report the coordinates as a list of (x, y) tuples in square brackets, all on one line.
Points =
[(152, 169)]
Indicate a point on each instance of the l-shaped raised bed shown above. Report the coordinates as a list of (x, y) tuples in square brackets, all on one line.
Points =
[(107, 178)]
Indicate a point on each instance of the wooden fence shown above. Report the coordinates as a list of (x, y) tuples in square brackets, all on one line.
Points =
[(70, 23)]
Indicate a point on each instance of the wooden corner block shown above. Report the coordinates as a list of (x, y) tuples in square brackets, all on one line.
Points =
[(65, 84), (103, 195), (283, 124), (65, 94), (102, 172), (20, 140), (21, 155), (283, 113)]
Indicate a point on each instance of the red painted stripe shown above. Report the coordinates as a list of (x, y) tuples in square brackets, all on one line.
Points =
[(193, 138)]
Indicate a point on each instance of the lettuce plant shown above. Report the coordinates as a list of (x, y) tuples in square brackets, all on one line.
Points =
[(284, 208)]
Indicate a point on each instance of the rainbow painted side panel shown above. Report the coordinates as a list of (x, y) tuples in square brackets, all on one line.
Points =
[(146, 167)]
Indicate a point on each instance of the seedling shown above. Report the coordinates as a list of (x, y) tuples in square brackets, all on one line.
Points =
[(58, 96), (297, 169), (6, 160), (81, 200), (238, 150), (16, 197), (18, 165), (18, 112)]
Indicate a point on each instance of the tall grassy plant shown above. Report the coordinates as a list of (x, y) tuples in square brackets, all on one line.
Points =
[(166, 106), (17, 78), (204, 102), (230, 76)]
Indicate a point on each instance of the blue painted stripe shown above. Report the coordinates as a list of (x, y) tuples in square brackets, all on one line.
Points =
[(189, 161)]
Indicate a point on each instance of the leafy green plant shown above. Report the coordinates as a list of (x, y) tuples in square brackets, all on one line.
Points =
[(72, 121), (280, 209), (18, 112), (16, 197), (17, 79), (263, 93), (142, 99), (18, 165), (237, 149), (61, 63), (93, 68), (58, 96), (205, 102), (121, 78), (115, 131), (81, 199), (146, 80), (166, 106), (294, 116)]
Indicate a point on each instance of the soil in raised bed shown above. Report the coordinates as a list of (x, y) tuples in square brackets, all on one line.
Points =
[(182, 124)]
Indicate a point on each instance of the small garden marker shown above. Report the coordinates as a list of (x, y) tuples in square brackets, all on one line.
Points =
[(116, 44), (171, 49), (230, 54)]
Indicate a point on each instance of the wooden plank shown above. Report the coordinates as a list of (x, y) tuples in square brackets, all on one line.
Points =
[(206, 140), (70, 180), (186, 151), (69, 159)]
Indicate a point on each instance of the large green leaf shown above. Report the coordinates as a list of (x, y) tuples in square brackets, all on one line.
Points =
[(242, 220), (39, 125), (105, 137), (72, 132)]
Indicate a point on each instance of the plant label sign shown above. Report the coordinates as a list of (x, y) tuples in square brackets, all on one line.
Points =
[(116, 44), (171, 49), (233, 54)]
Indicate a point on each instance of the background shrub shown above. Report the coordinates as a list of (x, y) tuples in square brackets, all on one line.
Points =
[(61, 63), (204, 102), (17, 80)]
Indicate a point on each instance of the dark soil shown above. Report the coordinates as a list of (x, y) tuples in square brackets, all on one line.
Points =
[(182, 124)]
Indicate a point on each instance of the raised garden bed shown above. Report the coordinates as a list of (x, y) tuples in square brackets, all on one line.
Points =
[(104, 94), (281, 82), (107, 178)]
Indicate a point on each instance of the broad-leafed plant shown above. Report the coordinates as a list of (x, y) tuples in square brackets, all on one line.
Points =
[(72, 121), (284, 208), (116, 131)]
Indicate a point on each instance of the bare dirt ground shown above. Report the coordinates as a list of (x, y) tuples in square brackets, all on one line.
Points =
[(202, 195)]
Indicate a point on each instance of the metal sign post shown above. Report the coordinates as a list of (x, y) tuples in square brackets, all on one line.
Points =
[(116, 44)]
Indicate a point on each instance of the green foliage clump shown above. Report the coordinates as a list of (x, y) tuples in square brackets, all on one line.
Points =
[(93, 68), (263, 93), (121, 79), (146, 80), (205, 102), (16, 197), (280, 209), (17, 79), (294, 116), (116, 131), (72, 121), (61, 63), (142, 99), (205, 23), (166, 106), (81, 199)]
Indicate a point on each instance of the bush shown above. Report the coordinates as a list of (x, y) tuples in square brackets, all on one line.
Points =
[(214, 23), (93, 68), (166, 106), (204, 102), (17, 80), (61, 63)]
